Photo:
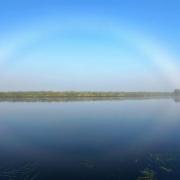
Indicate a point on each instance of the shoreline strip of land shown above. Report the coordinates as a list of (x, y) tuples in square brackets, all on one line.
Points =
[(77, 95)]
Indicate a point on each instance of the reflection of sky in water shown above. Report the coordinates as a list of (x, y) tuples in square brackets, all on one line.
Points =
[(62, 134)]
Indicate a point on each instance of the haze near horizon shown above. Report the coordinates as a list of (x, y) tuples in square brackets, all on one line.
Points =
[(89, 45)]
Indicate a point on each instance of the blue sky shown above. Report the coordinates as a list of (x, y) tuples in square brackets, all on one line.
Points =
[(97, 45)]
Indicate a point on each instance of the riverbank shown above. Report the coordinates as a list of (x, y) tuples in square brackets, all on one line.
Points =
[(80, 96)]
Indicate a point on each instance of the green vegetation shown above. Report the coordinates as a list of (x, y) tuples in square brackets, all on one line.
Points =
[(159, 166), (74, 95), (147, 174), (80, 94)]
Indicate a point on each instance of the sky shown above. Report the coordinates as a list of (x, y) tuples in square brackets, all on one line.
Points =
[(89, 45)]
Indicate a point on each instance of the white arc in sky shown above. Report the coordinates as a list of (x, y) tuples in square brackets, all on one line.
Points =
[(158, 55)]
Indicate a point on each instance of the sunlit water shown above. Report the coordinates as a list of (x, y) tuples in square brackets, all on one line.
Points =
[(93, 140)]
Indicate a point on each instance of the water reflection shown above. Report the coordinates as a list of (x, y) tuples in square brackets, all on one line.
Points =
[(130, 139), (25, 171)]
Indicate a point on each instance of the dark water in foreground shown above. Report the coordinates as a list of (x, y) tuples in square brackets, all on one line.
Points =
[(108, 140)]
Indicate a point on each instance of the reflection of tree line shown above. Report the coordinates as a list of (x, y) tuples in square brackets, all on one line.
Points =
[(176, 95), (86, 96), (177, 98)]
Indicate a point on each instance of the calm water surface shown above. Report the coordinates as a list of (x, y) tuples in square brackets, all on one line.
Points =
[(108, 140)]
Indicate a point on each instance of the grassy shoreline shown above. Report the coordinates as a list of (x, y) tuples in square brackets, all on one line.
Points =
[(51, 96), (74, 94)]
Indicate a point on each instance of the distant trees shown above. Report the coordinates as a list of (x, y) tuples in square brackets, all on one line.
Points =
[(74, 94), (177, 92)]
